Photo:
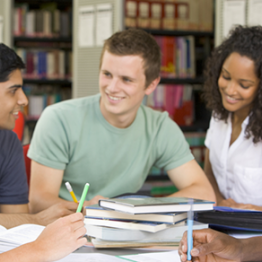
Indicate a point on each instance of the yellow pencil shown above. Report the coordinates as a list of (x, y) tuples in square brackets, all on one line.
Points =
[(70, 190)]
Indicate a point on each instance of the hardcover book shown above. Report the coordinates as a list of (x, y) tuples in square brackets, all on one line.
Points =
[(155, 205), (170, 234), (129, 224), (96, 211)]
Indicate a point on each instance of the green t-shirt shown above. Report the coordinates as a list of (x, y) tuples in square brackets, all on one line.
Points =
[(75, 137)]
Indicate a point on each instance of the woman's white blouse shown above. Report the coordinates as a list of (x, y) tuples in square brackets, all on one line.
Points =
[(237, 168)]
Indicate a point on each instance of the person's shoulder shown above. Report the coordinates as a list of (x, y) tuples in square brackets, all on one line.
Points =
[(74, 105), (153, 114), (157, 118), (215, 121), (9, 140), (8, 135)]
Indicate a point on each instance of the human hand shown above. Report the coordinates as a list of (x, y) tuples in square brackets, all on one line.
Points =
[(231, 203), (211, 246), (94, 200), (61, 238), (227, 202), (54, 212)]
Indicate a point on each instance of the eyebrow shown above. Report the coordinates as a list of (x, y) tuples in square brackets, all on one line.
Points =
[(245, 80), (15, 86), (123, 76)]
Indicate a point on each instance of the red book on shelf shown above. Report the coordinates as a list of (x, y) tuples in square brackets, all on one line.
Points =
[(29, 63), (182, 16), (156, 9), (183, 115), (169, 20), (168, 63), (143, 19), (169, 99), (131, 13)]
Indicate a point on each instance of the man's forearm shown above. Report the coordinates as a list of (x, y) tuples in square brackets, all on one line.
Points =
[(196, 191), (13, 220), (42, 202), (251, 249)]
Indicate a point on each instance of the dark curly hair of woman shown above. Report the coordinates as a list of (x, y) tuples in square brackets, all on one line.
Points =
[(246, 41)]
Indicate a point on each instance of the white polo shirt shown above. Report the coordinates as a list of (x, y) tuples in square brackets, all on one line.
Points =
[(237, 168)]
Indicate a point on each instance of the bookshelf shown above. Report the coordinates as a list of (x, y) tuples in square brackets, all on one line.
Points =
[(42, 36), (170, 32)]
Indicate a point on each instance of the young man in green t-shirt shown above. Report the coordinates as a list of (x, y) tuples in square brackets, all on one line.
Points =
[(110, 140)]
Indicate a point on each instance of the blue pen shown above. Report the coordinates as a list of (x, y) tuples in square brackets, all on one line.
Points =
[(190, 217)]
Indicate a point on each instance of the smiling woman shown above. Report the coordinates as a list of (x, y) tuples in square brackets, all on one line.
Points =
[(233, 91)]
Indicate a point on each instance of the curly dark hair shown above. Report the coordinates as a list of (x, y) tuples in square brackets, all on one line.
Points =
[(247, 41), (9, 61)]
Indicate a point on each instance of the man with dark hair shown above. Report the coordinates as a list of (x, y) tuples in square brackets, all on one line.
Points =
[(110, 140), (13, 183)]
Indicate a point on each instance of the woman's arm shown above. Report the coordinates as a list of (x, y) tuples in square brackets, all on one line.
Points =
[(209, 173)]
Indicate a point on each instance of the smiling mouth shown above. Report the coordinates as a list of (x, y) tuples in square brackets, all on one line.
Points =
[(114, 98), (231, 98)]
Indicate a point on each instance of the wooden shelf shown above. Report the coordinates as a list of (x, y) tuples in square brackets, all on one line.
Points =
[(178, 32), (48, 81), (196, 127), (42, 39), (44, 1), (198, 80)]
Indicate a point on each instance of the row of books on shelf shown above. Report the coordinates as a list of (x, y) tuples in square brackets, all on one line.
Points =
[(170, 15), (178, 56), (136, 221), (48, 21), (196, 143), (51, 64), (40, 97), (177, 100)]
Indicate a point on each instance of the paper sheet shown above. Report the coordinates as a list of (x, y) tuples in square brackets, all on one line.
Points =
[(254, 12), (245, 235), (21, 234), (86, 26), (91, 257), (234, 14), (104, 16), (171, 256)]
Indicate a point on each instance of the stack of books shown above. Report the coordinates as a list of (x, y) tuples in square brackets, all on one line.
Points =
[(140, 221)]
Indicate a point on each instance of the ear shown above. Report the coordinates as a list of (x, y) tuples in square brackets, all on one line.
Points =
[(152, 86)]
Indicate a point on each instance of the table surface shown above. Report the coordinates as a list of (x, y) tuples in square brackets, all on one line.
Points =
[(121, 251)]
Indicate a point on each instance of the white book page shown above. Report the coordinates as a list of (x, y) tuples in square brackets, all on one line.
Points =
[(21, 234), (170, 256), (92, 257)]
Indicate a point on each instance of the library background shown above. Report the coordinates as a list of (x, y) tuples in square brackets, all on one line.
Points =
[(61, 41)]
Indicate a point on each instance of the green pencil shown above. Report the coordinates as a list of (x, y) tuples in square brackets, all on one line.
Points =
[(83, 197)]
